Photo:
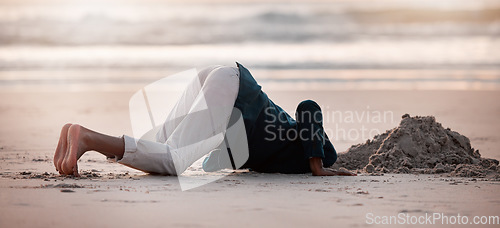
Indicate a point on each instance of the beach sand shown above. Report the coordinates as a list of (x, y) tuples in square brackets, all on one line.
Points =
[(31, 195)]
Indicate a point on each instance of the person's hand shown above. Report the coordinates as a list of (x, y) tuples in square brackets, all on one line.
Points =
[(316, 165), (341, 173)]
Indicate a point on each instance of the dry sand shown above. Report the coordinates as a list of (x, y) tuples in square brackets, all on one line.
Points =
[(419, 145), (31, 195)]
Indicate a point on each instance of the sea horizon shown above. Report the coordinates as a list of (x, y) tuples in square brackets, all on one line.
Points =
[(325, 45)]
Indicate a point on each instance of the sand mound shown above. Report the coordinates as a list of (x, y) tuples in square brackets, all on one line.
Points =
[(418, 145)]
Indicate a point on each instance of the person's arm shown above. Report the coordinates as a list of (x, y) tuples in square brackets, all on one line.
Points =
[(317, 169)]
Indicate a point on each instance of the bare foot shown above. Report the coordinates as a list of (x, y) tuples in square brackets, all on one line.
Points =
[(76, 148), (62, 147)]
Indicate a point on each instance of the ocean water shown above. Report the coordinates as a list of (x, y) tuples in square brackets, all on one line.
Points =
[(380, 44)]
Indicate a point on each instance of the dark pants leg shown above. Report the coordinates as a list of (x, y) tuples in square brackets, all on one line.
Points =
[(310, 129)]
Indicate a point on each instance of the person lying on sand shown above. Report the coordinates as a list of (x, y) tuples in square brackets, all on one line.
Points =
[(277, 143)]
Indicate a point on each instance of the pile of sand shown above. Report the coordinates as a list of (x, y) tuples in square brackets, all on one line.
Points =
[(418, 145)]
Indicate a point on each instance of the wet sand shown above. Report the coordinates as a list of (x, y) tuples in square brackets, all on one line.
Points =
[(32, 195)]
